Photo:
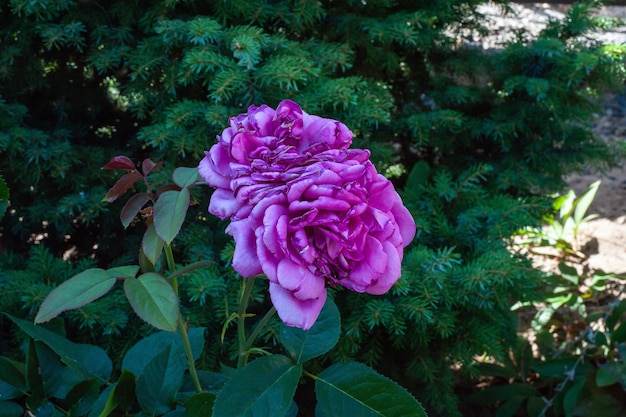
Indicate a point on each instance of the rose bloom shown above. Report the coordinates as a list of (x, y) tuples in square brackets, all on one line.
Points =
[(305, 210)]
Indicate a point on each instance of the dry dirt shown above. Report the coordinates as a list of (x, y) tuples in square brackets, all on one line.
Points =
[(605, 237)]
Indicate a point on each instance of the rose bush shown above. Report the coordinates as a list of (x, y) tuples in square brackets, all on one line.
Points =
[(305, 210)]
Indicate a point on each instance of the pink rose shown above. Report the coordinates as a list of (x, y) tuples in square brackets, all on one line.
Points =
[(305, 210)]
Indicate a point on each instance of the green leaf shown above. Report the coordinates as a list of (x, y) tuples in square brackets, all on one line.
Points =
[(82, 397), (169, 213), (265, 387), (88, 360), (583, 202), (10, 409), (77, 291), (58, 380), (608, 374), (555, 368), (33, 376), (303, 345), (619, 334), (418, 176), (152, 244), (126, 271), (572, 396), (353, 389), (199, 405), (615, 315), (158, 384), (12, 379), (509, 408), (185, 177), (147, 348), (124, 393), (154, 300), (105, 404), (9, 392)]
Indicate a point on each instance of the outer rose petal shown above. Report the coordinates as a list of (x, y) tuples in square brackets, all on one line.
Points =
[(405, 221), (294, 312), (392, 273), (223, 203), (245, 259), (215, 167)]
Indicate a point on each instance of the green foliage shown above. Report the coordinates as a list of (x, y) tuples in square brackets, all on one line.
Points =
[(574, 360), (483, 135), (562, 232)]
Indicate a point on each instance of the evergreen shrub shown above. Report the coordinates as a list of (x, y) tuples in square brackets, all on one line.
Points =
[(475, 138)]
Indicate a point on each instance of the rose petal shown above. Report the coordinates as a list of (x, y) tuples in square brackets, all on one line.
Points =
[(294, 312), (223, 203), (214, 167), (370, 269), (245, 260), (296, 278), (392, 273), (405, 221)]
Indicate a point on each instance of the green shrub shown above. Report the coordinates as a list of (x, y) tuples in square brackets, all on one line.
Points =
[(476, 138)]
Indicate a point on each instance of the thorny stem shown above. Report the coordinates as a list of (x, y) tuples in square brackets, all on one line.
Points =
[(182, 327)]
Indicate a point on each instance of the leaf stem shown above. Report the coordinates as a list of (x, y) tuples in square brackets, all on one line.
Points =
[(241, 320), (310, 375), (188, 268), (182, 327), (184, 337), (266, 318)]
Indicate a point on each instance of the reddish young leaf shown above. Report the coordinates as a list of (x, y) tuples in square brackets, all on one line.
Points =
[(147, 166), (121, 186), (119, 162), (132, 207)]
